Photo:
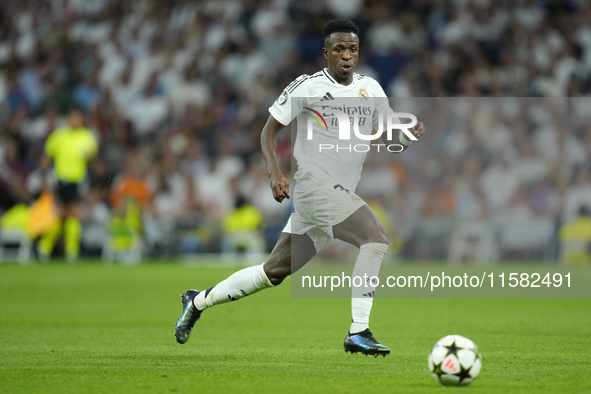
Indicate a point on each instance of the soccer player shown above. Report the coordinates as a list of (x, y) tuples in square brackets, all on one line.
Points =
[(70, 148), (324, 200)]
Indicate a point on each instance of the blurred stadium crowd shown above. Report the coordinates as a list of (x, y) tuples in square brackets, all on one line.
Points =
[(177, 93)]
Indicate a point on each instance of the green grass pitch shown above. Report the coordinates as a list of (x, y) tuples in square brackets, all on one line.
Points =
[(92, 328)]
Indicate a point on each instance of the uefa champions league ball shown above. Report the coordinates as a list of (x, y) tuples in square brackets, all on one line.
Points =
[(455, 361)]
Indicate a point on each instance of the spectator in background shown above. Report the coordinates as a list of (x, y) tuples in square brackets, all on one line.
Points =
[(16, 96), (163, 66), (130, 199), (12, 176), (30, 81), (131, 186), (70, 148), (241, 228), (150, 108), (575, 239), (88, 92)]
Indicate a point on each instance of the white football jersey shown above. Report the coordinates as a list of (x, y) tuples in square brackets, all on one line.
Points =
[(314, 97)]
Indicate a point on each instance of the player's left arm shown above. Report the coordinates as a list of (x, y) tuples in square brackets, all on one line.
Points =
[(383, 107), (49, 152), (418, 131), (47, 158), (90, 148)]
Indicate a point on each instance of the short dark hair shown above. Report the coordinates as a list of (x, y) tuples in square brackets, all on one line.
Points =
[(339, 25), (75, 108)]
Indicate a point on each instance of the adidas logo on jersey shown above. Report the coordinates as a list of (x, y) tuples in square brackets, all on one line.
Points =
[(327, 97)]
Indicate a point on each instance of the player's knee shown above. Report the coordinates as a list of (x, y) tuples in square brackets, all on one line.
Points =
[(379, 236), (382, 236)]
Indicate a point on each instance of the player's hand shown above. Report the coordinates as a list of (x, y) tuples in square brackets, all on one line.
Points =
[(418, 130), (279, 186)]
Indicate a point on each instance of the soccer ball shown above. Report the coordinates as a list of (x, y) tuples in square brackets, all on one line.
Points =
[(455, 361)]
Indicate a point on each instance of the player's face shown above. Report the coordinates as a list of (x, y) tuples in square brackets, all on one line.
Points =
[(75, 119), (341, 51)]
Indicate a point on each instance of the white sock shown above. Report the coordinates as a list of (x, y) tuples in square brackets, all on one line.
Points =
[(368, 263), (240, 284)]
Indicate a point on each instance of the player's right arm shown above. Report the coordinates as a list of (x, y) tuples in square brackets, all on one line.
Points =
[(282, 112), (279, 184), (51, 146), (45, 163)]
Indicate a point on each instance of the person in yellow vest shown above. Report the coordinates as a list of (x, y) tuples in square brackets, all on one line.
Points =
[(575, 239), (70, 148), (242, 229)]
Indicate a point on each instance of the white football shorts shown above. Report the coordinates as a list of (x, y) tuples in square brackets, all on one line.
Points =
[(319, 205)]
